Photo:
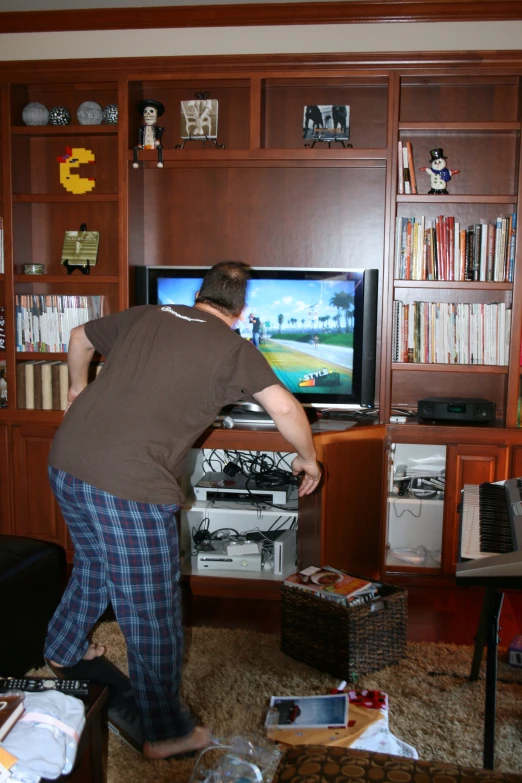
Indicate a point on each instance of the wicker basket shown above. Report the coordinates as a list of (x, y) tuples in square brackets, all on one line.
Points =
[(344, 641)]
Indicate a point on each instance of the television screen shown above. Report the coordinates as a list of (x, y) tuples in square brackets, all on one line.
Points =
[(309, 325)]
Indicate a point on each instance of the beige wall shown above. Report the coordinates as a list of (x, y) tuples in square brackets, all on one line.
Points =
[(415, 37)]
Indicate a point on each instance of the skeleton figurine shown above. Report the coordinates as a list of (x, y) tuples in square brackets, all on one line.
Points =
[(150, 134), (438, 173)]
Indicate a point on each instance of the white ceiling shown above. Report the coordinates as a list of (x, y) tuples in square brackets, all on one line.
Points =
[(67, 5)]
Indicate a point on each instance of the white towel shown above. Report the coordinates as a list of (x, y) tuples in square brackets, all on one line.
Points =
[(45, 739)]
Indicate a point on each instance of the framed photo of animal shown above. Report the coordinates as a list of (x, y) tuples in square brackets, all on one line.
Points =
[(326, 123)]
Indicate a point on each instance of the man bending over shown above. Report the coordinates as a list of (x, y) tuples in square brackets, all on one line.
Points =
[(115, 465)]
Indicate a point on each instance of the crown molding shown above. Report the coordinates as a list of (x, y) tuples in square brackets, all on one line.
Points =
[(236, 15), (378, 63)]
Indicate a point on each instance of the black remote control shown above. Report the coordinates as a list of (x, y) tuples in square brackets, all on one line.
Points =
[(39, 684)]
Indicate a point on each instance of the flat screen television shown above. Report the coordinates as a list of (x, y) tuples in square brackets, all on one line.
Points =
[(315, 327)]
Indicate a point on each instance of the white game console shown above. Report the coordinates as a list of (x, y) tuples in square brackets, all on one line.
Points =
[(221, 561), (285, 552)]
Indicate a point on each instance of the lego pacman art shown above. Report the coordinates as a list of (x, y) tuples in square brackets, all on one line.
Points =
[(72, 158)]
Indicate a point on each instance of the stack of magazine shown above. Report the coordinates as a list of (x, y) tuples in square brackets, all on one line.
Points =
[(334, 585)]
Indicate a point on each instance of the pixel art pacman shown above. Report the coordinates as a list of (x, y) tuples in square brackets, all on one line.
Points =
[(72, 158)]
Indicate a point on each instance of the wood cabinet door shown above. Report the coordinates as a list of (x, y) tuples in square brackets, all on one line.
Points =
[(467, 464), (5, 487), (516, 462), (36, 512)]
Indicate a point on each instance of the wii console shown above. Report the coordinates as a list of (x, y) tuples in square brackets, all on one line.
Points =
[(221, 486), (285, 552)]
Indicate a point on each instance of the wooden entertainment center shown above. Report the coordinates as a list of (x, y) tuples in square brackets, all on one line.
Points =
[(269, 201)]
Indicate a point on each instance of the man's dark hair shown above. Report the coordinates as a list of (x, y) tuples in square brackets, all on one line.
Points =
[(224, 287)]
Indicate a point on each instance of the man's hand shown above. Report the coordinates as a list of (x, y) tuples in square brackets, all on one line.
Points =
[(312, 475), (72, 394)]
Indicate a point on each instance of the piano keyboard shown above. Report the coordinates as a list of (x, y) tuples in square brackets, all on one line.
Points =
[(491, 529)]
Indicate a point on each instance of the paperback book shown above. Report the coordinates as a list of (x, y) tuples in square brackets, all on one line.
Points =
[(334, 585), (11, 708)]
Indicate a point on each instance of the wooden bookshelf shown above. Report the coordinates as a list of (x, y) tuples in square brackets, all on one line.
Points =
[(270, 201)]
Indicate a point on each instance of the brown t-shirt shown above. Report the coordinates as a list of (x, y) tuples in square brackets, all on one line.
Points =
[(168, 372)]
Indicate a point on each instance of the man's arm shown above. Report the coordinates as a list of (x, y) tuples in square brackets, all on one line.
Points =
[(291, 421), (79, 357)]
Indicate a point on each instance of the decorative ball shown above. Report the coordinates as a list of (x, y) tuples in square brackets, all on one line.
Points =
[(35, 114), (59, 115), (89, 113), (110, 114)]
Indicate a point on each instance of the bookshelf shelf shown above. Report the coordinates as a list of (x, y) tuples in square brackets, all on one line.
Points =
[(65, 130), (484, 369), (452, 285), (56, 198), (465, 127), (80, 279), (422, 198), (28, 355), (199, 155)]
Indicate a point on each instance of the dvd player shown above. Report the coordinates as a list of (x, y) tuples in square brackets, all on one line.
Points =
[(221, 486)]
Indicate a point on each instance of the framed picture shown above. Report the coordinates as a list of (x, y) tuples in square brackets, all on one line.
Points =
[(80, 248), (199, 119), (326, 123)]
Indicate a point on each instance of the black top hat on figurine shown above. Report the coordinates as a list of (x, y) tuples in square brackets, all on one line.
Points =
[(438, 172), (437, 154), (150, 134), (160, 108)]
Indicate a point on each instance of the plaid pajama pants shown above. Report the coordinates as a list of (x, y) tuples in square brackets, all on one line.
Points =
[(125, 553)]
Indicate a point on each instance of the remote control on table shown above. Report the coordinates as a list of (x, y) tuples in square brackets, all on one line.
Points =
[(39, 684)]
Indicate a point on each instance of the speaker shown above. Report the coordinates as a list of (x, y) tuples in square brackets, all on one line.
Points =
[(369, 337)]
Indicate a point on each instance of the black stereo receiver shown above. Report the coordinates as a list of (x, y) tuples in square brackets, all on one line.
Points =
[(461, 410)]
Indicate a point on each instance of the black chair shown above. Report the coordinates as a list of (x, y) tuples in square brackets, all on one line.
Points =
[(32, 579)]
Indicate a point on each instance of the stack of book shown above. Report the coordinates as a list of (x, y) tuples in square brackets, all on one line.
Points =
[(42, 385), (442, 249), (334, 585), (44, 322), (406, 179)]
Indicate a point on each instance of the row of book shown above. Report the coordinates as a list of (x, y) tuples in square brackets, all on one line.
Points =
[(334, 585), (2, 328), (406, 179), (441, 249), (44, 322), (1, 245), (451, 333), (42, 385)]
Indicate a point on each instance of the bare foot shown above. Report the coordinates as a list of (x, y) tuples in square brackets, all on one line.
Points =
[(93, 651), (198, 739)]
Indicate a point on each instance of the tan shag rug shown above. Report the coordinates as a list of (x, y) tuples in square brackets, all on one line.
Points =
[(229, 676)]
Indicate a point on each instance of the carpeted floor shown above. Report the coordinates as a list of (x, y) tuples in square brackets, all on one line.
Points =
[(230, 675)]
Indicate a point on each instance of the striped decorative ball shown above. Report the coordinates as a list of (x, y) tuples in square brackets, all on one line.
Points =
[(35, 114), (59, 115), (110, 114)]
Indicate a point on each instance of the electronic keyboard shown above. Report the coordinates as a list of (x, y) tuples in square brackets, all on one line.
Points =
[(491, 530)]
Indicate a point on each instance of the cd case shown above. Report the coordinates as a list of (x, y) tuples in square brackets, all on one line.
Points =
[(308, 712)]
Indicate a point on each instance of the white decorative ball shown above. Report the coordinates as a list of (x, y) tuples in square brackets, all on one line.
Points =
[(35, 114), (110, 114), (89, 113)]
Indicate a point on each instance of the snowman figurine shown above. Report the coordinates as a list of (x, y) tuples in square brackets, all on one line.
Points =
[(439, 173), (150, 134)]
